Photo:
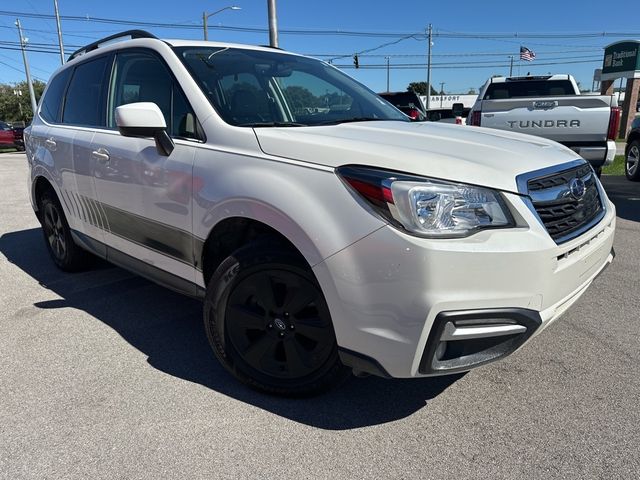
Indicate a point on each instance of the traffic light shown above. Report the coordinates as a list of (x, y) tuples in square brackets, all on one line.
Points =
[(356, 63)]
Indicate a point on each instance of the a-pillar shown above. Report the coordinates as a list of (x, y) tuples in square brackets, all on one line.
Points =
[(630, 105), (606, 87)]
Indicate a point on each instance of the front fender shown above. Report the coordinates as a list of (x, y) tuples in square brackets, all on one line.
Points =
[(308, 205)]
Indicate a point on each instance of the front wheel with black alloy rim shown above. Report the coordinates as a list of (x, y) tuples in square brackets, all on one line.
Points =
[(632, 161), (57, 235), (268, 322)]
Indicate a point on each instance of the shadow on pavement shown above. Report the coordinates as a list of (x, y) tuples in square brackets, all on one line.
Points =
[(168, 328), (625, 195)]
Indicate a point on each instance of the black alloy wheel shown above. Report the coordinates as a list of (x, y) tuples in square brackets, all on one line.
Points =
[(63, 250), (269, 324), (54, 231)]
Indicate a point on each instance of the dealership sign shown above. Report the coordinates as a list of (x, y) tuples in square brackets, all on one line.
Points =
[(621, 59)]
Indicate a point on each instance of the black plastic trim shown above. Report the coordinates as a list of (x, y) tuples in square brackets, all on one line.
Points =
[(429, 365), (362, 363), (121, 259)]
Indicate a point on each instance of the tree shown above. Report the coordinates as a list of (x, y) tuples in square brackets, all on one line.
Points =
[(14, 107), (301, 98), (420, 88), (472, 91)]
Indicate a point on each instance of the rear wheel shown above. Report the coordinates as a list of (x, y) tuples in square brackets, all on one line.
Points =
[(57, 235), (632, 161), (269, 324)]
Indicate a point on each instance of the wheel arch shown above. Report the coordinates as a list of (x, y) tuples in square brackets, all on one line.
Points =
[(234, 232), (633, 137), (39, 185)]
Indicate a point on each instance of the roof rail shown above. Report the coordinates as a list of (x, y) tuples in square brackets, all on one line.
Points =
[(93, 46)]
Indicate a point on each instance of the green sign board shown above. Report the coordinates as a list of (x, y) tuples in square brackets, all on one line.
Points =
[(621, 59)]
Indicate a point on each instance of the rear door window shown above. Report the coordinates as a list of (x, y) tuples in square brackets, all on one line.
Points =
[(84, 104)]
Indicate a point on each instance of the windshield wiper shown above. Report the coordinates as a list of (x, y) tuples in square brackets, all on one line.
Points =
[(273, 124), (354, 119)]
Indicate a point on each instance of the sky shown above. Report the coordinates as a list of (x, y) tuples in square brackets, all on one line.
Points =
[(472, 40)]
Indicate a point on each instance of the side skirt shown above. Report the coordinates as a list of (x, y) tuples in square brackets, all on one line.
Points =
[(166, 279)]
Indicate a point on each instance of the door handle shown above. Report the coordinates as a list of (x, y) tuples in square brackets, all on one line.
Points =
[(101, 155), (51, 144)]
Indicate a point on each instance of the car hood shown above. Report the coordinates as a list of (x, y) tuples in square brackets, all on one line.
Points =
[(474, 155)]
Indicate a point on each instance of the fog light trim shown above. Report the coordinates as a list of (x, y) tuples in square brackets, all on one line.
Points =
[(475, 337)]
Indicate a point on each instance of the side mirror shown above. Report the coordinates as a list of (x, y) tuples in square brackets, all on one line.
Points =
[(458, 109), (144, 119)]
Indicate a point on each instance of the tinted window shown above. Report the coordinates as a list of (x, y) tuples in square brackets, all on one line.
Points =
[(84, 100), (142, 77), (4, 126), (529, 88), (268, 88), (403, 99), (52, 101)]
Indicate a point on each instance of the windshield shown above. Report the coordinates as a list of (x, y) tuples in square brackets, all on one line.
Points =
[(253, 88)]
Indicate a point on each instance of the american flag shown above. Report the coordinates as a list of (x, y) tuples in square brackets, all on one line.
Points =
[(526, 54)]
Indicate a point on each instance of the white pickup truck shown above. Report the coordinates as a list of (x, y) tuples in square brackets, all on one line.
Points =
[(551, 107)]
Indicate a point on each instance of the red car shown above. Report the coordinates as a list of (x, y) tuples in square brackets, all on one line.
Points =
[(11, 137)]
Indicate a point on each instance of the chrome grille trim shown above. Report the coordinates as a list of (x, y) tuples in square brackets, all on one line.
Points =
[(548, 196)]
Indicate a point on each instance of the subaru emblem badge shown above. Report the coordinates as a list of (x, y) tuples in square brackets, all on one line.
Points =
[(577, 188)]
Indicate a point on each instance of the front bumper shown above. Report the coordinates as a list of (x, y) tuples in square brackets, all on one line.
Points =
[(386, 291)]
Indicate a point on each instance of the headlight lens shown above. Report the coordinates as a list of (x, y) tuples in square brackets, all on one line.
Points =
[(426, 207), (445, 210)]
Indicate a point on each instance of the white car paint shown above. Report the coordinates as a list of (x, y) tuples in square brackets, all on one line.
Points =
[(383, 286)]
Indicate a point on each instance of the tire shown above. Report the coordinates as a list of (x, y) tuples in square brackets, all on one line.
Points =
[(269, 325), (66, 254), (632, 161)]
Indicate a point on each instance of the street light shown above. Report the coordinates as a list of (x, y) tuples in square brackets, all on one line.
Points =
[(206, 16)]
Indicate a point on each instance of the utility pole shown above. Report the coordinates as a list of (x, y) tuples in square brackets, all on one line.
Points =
[(511, 65), (204, 25), (429, 43), (387, 58), (32, 94), (18, 93), (55, 6), (441, 93), (273, 23)]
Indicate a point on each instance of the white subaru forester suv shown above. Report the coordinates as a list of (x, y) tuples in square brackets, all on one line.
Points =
[(324, 232)]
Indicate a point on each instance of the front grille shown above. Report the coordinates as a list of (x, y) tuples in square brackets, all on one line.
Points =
[(564, 214), (557, 179)]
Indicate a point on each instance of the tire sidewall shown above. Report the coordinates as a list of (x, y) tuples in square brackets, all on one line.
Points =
[(231, 272), (49, 200), (636, 176)]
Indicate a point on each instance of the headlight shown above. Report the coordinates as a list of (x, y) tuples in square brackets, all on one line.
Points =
[(426, 207)]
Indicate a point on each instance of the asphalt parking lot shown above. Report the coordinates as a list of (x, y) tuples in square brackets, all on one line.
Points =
[(106, 375)]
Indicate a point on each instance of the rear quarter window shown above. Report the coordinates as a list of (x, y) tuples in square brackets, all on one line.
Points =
[(50, 109)]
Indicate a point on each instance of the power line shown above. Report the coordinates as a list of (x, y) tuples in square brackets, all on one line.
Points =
[(420, 66), (320, 32), (456, 54)]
